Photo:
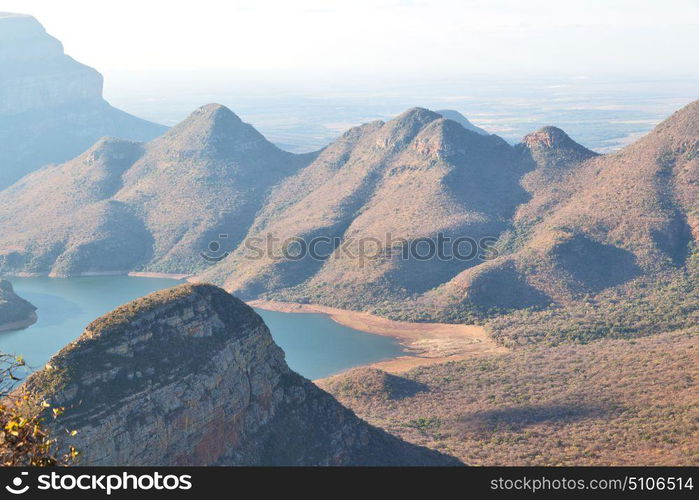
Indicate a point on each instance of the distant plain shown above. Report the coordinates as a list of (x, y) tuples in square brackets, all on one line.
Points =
[(602, 113)]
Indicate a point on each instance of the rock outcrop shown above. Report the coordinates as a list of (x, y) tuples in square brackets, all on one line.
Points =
[(15, 312), (51, 106), (191, 376)]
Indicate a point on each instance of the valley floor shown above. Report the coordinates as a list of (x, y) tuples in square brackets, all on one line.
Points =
[(609, 402), (427, 343)]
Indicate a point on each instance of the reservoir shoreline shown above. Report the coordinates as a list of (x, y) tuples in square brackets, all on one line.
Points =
[(425, 343), (428, 343)]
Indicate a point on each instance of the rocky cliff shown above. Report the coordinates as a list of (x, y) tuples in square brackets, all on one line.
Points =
[(15, 312), (36, 73), (191, 376), (51, 106)]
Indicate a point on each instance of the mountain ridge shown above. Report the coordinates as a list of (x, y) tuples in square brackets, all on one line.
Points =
[(553, 223), (116, 188), (461, 120)]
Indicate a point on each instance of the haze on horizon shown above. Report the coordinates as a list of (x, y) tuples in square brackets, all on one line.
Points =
[(310, 39)]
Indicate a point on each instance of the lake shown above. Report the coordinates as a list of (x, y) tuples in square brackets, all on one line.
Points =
[(315, 346)]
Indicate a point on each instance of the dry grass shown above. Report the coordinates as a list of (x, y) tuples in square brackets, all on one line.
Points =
[(620, 402)]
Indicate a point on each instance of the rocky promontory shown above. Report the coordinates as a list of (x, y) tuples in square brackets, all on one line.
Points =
[(192, 376), (15, 312)]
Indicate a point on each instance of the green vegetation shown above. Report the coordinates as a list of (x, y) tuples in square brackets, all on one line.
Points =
[(647, 305)]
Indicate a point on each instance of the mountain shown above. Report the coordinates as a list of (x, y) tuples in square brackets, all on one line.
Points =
[(15, 312), (554, 240), (450, 114), (416, 176), (51, 107), (567, 228), (191, 376), (124, 206), (596, 222)]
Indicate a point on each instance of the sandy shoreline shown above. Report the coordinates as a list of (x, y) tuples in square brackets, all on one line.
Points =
[(428, 343), (19, 325)]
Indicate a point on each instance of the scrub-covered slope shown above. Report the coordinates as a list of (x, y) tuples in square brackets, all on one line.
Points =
[(124, 206)]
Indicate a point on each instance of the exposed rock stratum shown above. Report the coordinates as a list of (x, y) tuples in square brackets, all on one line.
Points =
[(192, 376)]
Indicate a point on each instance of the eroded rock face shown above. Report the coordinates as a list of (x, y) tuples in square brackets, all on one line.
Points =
[(36, 73), (51, 106), (191, 376)]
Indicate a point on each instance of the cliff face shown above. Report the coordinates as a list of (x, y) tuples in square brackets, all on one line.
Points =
[(191, 376), (36, 72), (51, 106), (15, 312)]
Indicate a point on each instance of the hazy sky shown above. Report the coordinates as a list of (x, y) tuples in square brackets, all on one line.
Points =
[(376, 37)]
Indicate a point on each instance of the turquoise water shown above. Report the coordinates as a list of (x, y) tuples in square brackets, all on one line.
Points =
[(315, 346)]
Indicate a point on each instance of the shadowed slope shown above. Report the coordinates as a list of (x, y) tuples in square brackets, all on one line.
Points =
[(416, 176), (596, 222), (450, 114)]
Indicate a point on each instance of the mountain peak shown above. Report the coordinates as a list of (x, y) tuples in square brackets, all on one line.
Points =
[(547, 137), (683, 123), (417, 114), (552, 147), (111, 149), (216, 111), (212, 116), (17, 26), (406, 126), (51, 106), (4, 15), (213, 129), (457, 117)]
